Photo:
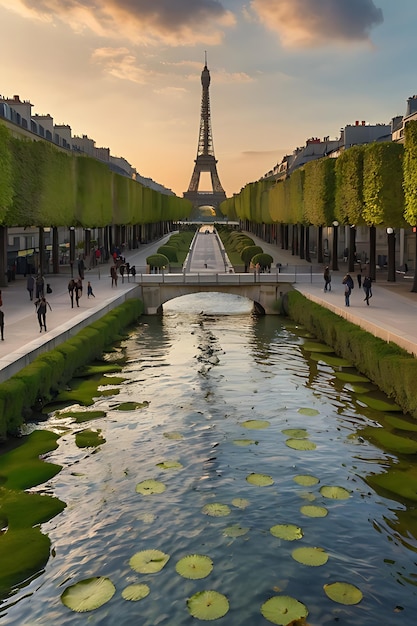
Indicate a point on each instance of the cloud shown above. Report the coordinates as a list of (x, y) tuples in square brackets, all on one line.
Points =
[(149, 22), (120, 63), (316, 23)]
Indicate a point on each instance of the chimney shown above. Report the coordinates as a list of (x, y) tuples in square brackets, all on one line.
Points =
[(363, 122), (16, 98), (357, 123)]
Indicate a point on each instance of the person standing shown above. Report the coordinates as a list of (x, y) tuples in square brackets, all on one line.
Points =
[(41, 306), (90, 290), (349, 284), (78, 288), (40, 286), (71, 288), (30, 285), (113, 274), (327, 279), (367, 287), (359, 277)]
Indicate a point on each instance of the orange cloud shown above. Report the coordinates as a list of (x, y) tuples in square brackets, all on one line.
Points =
[(149, 22), (315, 23), (120, 63)]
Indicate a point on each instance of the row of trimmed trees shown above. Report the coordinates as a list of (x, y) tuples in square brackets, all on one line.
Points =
[(373, 184), (41, 185)]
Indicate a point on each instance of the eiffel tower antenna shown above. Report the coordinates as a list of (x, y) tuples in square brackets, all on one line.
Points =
[(205, 161)]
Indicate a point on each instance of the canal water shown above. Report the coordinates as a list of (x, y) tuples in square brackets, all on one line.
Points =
[(244, 425)]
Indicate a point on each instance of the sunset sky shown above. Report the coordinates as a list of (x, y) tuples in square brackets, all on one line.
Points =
[(127, 74)]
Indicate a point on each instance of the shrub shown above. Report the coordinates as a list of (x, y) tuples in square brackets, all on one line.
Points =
[(157, 260)]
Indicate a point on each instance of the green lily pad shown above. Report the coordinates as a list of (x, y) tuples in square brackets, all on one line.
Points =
[(305, 410), (260, 480), (355, 388), (351, 378), (400, 483), (306, 480), (194, 566), (83, 416), (289, 532), (283, 610), (84, 391), (100, 368), (313, 346), (375, 401), (334, 493), (131, 406), (148, 561), (301, 444), (240, 503), (235, 531), (310, 510), (401, 424), (89, 438), (310, 556), (334, 361), (244, 442), (167, 465), (216, 509), (136, 592), (295, 433), (255, 424), (208, 605), (389, 441), (88, 594), (149, 487), (343, 593), (174, 435)]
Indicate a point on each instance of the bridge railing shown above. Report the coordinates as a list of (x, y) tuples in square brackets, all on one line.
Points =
[(289, 274)]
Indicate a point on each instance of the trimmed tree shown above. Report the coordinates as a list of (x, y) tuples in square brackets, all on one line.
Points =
[(410, 183)]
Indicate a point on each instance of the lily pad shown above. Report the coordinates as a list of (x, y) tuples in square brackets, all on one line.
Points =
[(167, 465), (351, 378), (174, 435), (135, 592), (375, 401), (24, 553), (86, 416), (194, 566), (89, 438), (131, 406), (301, 444), (310, 556), (244, 442), (295, 433), (216, 509), (255, 424), (343, 593), (334, 493), (148, 561), (235, 531), (88, 594), (306, 480), (208, 605), (389, 441), (289, 532), (149, 487), (240, 503), (260, 480), (305, 410), (313, 346), (283, 610), (334, 361), (310, 510)]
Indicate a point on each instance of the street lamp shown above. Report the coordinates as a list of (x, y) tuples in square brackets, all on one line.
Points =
[(391, 254), (335, 266)]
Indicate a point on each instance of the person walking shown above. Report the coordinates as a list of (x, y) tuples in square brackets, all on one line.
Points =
[(40, 286), (41, 307), (367, 287), (90, 290), (30, 285), (327, 279), (359, 277), (71, 289), (349, 284), (78, 288), (113, 274)]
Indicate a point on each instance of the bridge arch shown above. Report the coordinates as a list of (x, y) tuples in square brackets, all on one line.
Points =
[(256, 307)]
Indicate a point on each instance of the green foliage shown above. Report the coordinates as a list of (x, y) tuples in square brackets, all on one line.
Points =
[(249, 252), (169, 251), (157, 260), (383, 184), (349, 186), (319, 191), (264, 260), (6, 185), (410, 172)]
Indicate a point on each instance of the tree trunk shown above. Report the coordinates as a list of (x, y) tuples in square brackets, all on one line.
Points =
[(55, 251), (414, 287), (41, 250), (307, 242), (372, 252), (335, 266), (320, 244), (3, 256), (302, 241), (352, 249), (391, 257)]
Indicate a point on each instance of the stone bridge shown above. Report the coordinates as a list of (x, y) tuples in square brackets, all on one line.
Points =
[(263, 289)]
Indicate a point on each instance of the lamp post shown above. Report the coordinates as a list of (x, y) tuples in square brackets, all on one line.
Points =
[(335, 266), (391, 255)]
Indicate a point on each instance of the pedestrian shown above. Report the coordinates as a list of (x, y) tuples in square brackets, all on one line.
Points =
[(359, 277), (71, 288), (30, 285), (90, 290), (40, 286), (41, 306), (78, 289), (349, 284), (327, 279), (81, 267), (367, 287), (113, 274)]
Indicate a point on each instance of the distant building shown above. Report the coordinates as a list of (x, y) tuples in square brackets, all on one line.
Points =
[(399, 123)]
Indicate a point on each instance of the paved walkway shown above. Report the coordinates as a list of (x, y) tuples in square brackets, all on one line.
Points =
[(392, 314)]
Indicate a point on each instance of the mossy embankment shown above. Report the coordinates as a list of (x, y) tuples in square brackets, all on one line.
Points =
[(49, 372), (390, 367)]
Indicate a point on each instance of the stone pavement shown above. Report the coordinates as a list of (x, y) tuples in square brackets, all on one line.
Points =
[(392, 314)]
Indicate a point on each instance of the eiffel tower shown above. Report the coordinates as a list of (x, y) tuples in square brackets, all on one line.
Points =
[(205, 161)]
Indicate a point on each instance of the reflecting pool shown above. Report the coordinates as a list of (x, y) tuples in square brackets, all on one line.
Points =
[(243, 440)]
